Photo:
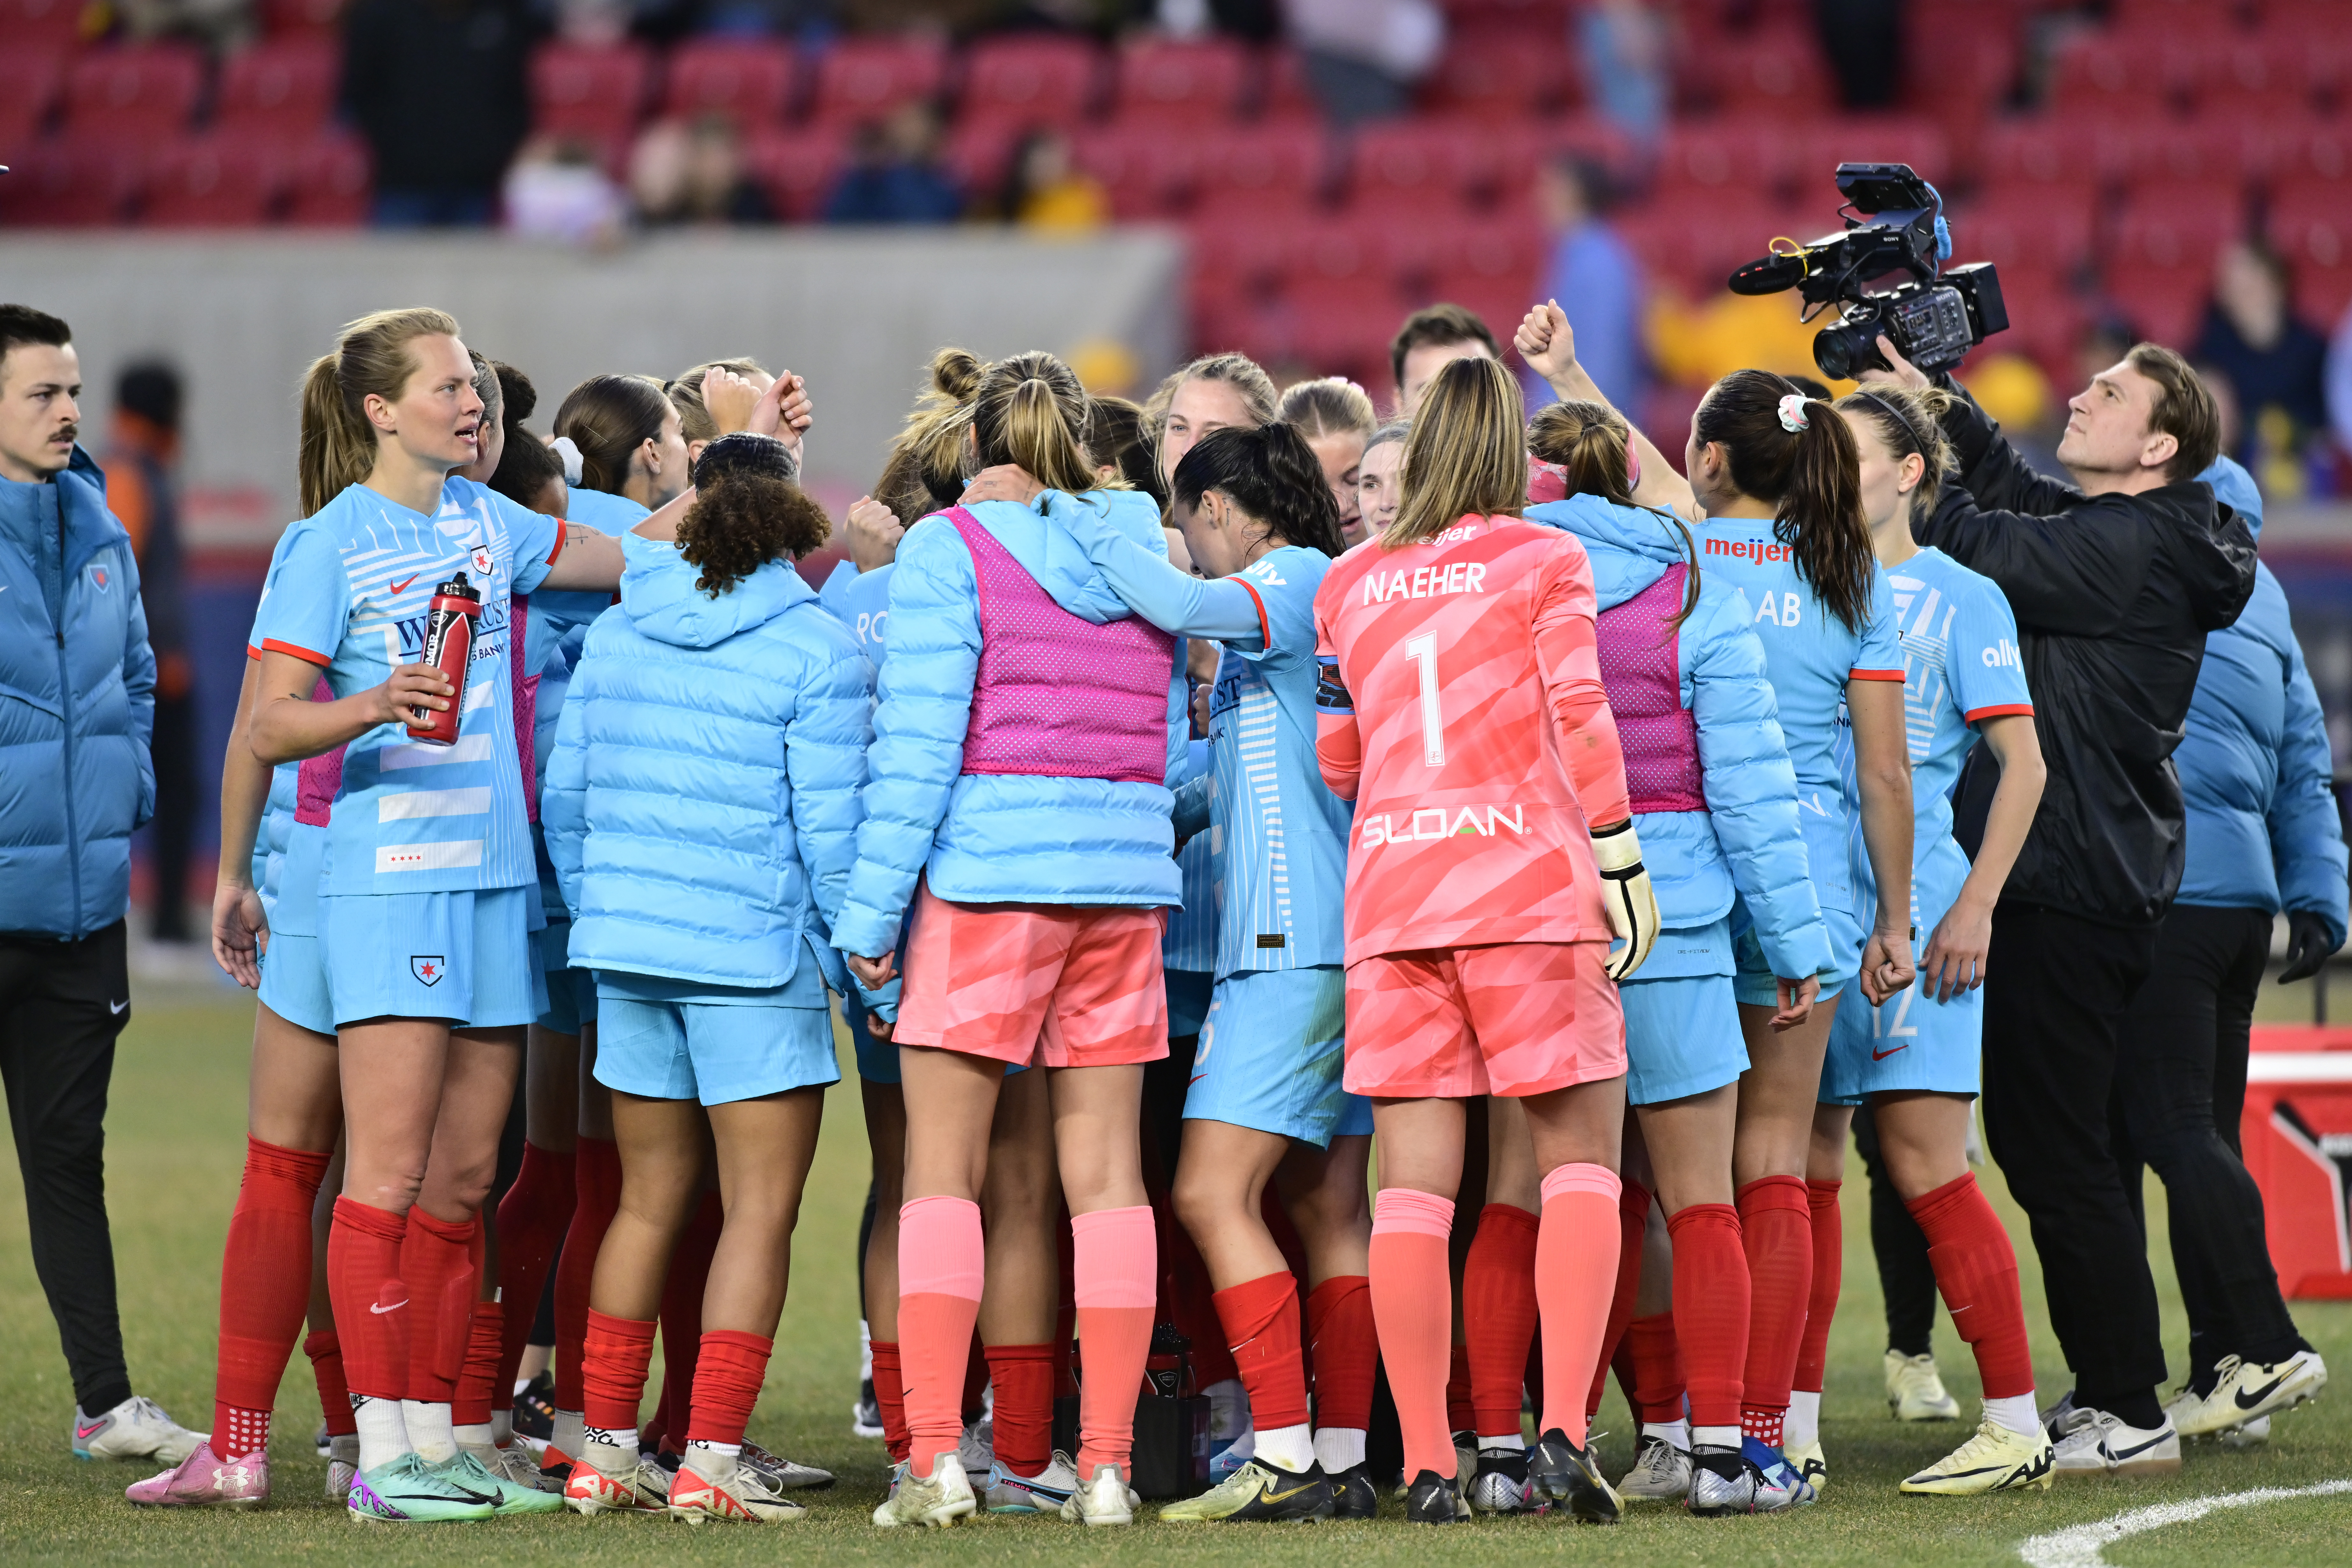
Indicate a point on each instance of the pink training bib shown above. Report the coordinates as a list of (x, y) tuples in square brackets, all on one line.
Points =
[(1640, 664)]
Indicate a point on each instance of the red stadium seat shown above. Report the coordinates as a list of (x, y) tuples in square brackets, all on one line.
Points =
[(2258, 74), (286, 87), (213, 181), (1148, 174), (2044, 153), (2179, 225), (979, 155), (1961, 60), (2211, 149), (594, 93), (69, 184), (1772, 71), (2121, 73), (2161, 303), (2020, 226), (2316, 150), (1429, 165), (303, 18), (1874, 139), (29, 82), (1751, 156), (1528, 15), (28, 27), (1163, 81), (858, 79), (1284, 93), (1035, 79), (797, 167), (2311, 224), (328, 182), (1493, 267), (1266, 170), (1502, 75), (746, 80), (140, 92), (1694, 240)]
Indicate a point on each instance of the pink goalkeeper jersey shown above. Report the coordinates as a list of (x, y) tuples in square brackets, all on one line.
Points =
[(1461, 690)]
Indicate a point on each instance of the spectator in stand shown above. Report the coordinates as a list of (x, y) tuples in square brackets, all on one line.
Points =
[(1594, 275), (437, 88), (1431, 339), (143, 489), (1863, 41), (556, 191), (694, 173), (1046, 191), (1362, 56), (2276, 363), (1622, 45), (894, 174)]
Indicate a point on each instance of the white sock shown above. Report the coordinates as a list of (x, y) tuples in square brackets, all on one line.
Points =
[(481, 1438), (1678, 1433), (2016, 1413), (1514, 1443), (384, 1436), (429, 1432), (624, 1438), (864, 1352), (1339, 1448), (502, 1428), (1802, 1424), (1229, 1411), (713, 1461), (1291, 1447), (1714, 1436)]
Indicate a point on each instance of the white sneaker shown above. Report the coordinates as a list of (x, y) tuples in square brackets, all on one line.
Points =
[(1661, 1473), (1006, 1491), (1105, 1500), (934, 1502), (135, 1429), (1915, 1391), (2096, 1442), (342, 1467), (2246, 1391)]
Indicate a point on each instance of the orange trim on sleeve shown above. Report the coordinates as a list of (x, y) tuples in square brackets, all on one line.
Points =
[(271, 645), (1998, 709), (562, 531), (1265, 628), (251, 652), (1875, 674)]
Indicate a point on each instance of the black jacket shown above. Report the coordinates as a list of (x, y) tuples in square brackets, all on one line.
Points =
[(2114, 595), (438, 88)]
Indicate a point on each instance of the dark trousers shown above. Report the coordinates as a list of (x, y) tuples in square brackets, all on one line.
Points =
[(174, 749), (2176, 1110), (61, 1005), (1906, 1277), (2054, 1015)]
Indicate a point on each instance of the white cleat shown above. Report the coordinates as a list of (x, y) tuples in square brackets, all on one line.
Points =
[(742, 1496), (1915, 1391), (342, 1467), (933, 1501), (1995, 1459), (1661, 1473), (1105, 1500), (2245, 1392), (1812, 1464), (135, 1429)]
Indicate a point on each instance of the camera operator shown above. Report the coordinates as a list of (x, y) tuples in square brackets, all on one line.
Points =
[(2115, 580)]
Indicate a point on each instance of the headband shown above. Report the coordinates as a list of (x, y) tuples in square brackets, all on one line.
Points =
[(1900, 418), (1546, 481)]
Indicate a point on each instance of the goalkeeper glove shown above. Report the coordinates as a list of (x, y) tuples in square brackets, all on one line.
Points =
[(1626, 887)]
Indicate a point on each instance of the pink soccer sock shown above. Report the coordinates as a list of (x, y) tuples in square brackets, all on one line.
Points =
[(1114, 1277), (941, 1264), (1412, 1309), (1576, 1276)]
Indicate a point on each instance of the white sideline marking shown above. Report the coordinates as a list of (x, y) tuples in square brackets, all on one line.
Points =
[(2080, 1546)]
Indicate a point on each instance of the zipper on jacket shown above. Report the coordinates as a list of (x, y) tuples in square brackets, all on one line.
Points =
[(66, 707)]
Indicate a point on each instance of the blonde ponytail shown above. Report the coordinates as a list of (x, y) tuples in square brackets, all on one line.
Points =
[(338, 447), (1032, 411)]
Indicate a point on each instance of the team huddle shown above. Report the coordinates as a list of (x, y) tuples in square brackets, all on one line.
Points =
[(1176, 801)]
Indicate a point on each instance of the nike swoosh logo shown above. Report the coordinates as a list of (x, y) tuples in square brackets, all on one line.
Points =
[(402, 587), (395, 1307), (1268, 1494), (2120, 1453), (118, 1008), (92, 1431), (2247, 1401), (1878, 1056)]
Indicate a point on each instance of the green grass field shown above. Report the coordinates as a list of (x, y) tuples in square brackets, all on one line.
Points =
[(176, 1149)]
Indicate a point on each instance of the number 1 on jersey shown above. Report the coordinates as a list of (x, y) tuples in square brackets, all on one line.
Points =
[(1422, 651)]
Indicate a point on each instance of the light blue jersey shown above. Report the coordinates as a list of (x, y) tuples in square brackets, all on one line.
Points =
[(349, 593), (1189, 946), (603, 511)]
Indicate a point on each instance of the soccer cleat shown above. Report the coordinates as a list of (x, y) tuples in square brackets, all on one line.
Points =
[(406, 1490), (746, 1496), (787, 1476), (323, 1440), (610, 1480), (1777, 1484), (515, 1463), (977, 1449), (1465, 1454), (1914, 1390), (534, 1413), (1661, 1473), (1433, 1500), (1500, 1485), (1812, 1463), (1721, 1483), (1559, 1472), (1353, 1495), (1995, 1460), (135, 1429), (510, 1498), (2096, 1442), (2251, 1434), (1260, 1489), (1006, 1491), (865, 1411), (936, 1501), (2245, 1392), (567, 1438), (1104, 1500), (342, 1465), (204, 1480), (654, 1472), (1232, 1455)]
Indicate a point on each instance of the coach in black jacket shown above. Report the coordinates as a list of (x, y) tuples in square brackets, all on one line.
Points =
[(2115, 585)]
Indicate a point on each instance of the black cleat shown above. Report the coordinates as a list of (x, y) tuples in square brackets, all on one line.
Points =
[(1260, 1491), (1353, 1495), (534, 1409), (1559, 1473), (1434, 1500)]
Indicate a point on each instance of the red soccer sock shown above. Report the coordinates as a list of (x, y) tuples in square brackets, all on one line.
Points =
[(681, 1318), (727, 1381), (477, 1380), (975, 1380), (618, 1351), (1412, 1307), (1498, 1317), (1657, 1392), (598, 1169), (372, 1308), (532, 1217), (1024, 1420), (1261, 1324), (1461, 1408), (890, 1395), (1576, 1279), (1115, 1275), (265, 1289), (1711, 1308), (1776, 1223), (1820, 1303), (1346, 1351), (1632, 1214), (326, 1353), (1976, 1270), (437, 1262), (942, 1266)]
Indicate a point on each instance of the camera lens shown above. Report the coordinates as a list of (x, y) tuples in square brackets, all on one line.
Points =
[(1844, 348)]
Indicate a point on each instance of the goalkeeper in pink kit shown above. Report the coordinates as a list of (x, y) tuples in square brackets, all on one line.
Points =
[(1493, 861)]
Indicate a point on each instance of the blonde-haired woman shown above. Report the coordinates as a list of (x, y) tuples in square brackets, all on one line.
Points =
[(1495, 857), (1337, 419), (1215, 392), (1026, 732), (423, 903)]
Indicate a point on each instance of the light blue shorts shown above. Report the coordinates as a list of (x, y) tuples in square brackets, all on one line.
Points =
[(463, 956), (1756, 982), (675, 1040), (1914, 1042), (295, 909), (1682, 1036), (1188, 1000), (1270, 1056), (570, 993), (294, 982)]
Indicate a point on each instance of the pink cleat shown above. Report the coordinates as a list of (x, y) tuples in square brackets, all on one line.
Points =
[(204, 1480)]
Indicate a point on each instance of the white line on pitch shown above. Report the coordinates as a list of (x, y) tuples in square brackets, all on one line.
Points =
[(2080, 1546)]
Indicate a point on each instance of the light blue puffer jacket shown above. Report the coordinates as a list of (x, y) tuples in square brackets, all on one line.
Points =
[(1747, 842), (701, 807), (2256, 770), (998, 839)]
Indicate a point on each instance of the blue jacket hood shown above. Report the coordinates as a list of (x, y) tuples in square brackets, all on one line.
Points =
[(658, 593), (2235, 488), (1047, 552), (1630, 547)]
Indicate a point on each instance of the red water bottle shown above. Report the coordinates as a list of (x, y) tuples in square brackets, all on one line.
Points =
[(449, 648)]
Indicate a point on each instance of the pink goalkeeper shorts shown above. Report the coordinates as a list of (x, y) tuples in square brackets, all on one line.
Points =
[(1056, 985), (1513, 1019)]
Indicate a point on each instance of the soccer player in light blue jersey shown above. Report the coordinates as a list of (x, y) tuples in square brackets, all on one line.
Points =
[(428, 865)]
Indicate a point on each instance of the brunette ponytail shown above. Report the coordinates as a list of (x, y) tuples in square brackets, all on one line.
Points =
[(1271, 476), (1795, 452)]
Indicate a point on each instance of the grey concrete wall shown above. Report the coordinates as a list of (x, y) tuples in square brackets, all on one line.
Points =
[(856, 311)]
